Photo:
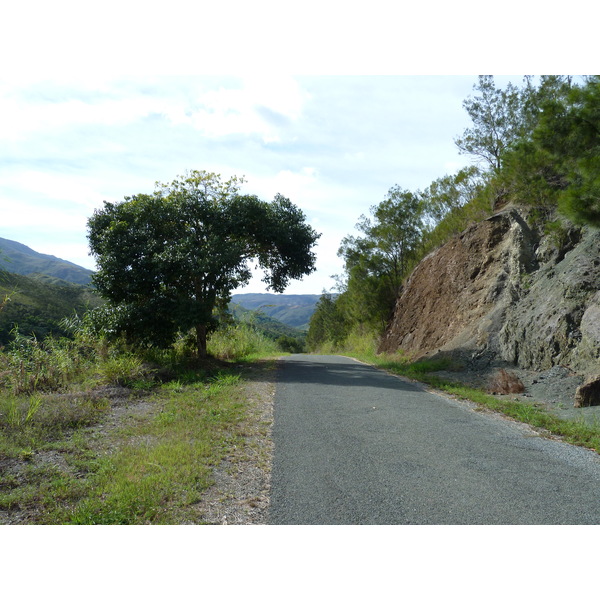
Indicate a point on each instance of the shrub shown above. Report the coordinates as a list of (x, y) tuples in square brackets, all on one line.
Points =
[(504, 382), (239, 341)]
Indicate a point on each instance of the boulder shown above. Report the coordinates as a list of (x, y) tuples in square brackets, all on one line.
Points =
[(504, 382), (588, 394)]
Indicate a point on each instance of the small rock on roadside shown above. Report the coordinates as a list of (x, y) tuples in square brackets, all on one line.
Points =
[(588, 394)]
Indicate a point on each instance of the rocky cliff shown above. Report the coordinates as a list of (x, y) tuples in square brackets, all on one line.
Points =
[(502, 293)]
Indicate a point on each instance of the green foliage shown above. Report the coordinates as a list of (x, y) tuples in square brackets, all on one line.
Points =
[(448, 194), (267, 326), (500, 118), (290, 344), (328, 324), (167, 260), (450, 204), (239, 341), (558, 164), (376, 262)]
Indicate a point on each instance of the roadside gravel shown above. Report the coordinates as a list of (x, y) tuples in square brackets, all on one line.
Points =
[(240, 494)]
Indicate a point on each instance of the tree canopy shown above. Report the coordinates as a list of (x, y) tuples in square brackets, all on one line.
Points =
[(166, 260), (500, 118)]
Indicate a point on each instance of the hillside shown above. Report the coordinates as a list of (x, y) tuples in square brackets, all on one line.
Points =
[(37, 304), (502, 294), (269, 326), (294, 310), (18, 258)]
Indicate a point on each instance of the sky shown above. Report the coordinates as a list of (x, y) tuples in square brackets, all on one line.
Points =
[(96, 105), (333, 145)]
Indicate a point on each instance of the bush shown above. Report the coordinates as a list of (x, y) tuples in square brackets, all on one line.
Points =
[(239, 341), (289, 344)]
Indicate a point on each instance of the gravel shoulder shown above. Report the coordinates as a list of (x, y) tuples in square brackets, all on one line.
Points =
[(553, 389), (241, 492)]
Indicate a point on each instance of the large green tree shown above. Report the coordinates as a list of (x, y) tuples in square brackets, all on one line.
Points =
[(568, 136), (376, 262), (166, 260), (558, 163)]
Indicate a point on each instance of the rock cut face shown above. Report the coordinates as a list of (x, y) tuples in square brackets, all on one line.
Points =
[(498, 290)]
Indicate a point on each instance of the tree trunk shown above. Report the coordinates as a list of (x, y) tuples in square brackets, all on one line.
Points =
[(201, 340)]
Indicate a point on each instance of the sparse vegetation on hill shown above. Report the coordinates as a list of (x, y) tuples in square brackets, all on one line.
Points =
[(36, 305), (18, 258), (294, 310)]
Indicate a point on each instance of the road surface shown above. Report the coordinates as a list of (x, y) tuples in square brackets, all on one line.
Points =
[(354, 445)]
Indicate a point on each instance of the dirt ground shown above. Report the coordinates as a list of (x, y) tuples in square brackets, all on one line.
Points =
[(240, 495)]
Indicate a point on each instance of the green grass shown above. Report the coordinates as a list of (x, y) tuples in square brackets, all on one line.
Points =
[(166, 463), (240, 341), (152, 468), (58, 467)]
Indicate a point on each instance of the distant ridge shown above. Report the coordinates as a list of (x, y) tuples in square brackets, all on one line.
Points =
[(22, 260), (294, 310)]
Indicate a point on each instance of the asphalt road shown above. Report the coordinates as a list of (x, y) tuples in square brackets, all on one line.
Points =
[(354, 445)]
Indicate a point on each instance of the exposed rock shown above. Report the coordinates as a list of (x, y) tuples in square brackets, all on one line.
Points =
[(546, 326), (458, 295), (502, 294), (588, 394)]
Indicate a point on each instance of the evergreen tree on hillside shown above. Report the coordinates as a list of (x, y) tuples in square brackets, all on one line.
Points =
[(500, 118)]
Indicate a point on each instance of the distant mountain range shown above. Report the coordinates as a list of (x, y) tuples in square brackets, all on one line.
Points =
[(294, 310), (20, 259)]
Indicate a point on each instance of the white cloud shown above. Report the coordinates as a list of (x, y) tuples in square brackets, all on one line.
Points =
[(20, 117), (38, 186), (260, 106)]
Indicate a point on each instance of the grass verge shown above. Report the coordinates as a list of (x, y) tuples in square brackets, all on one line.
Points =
[(139, 458)]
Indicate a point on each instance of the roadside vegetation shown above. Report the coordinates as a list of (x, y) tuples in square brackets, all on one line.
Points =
[(95, 430)]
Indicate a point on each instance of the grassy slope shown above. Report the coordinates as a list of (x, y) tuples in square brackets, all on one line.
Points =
[(37, 304)]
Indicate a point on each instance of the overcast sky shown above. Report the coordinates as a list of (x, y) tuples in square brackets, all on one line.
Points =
[(92, 109)]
